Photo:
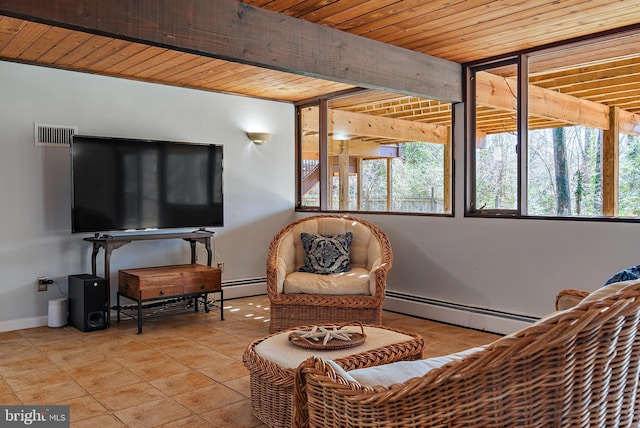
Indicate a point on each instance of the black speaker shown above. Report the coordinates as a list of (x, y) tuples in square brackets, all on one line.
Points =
[(88, 302)]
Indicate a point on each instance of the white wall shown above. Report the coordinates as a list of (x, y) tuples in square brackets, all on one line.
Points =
[(35, 227), (516, 266)]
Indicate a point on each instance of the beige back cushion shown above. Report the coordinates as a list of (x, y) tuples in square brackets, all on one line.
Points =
[(365, 248), (605, 291), (596, 295)]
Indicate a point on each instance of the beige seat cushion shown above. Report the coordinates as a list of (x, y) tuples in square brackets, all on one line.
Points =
[(281, 352), (400, 371), (353, 282)]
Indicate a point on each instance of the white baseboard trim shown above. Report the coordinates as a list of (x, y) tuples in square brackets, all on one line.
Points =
[(232, 290), (23, 323), (456, 314)]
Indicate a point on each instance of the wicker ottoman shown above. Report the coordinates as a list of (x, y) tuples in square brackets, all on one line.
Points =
[(272, 361)]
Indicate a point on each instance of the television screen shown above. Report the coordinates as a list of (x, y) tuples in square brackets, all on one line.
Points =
[(122, 184)]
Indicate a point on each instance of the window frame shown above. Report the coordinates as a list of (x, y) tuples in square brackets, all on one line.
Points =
[(609, 190), (471, 209), (322, 103)]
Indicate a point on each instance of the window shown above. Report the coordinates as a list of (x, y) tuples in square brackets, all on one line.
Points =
[(375, 151), (309, 156), (554, 133), (496, 138)]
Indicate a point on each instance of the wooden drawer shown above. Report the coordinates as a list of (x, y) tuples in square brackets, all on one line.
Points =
[(160, 291), (201, 282), (146, 287), (168, 281), (128, 285)]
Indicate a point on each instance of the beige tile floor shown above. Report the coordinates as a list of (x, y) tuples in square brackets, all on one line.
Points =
[(183, 371)]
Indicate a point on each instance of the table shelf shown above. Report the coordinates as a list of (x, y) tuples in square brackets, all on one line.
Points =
[(109, 243)]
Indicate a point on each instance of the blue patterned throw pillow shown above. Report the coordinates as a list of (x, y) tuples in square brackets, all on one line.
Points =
[(326, 253), (627, 274)]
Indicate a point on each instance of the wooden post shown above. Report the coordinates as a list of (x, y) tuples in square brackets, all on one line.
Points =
[(343, 174), (447, 172), (326, 172), (389, 184), (359, 183), (610, 163)]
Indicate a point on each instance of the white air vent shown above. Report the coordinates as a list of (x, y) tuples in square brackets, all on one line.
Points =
[(54, 135)]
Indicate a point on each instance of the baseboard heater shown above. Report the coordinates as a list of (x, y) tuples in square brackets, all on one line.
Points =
[(246, 287), (475, 317)]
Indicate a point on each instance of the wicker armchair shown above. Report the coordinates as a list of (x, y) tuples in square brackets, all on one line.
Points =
[(371, 259), (569, 297), (578, 367)]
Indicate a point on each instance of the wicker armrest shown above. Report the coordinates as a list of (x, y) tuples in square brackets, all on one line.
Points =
[(319, 367), (568, 298)]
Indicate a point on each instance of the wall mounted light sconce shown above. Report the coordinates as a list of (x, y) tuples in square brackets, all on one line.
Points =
[(259, 137)]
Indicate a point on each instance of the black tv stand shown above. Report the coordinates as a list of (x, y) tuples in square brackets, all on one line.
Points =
[(113, 242)]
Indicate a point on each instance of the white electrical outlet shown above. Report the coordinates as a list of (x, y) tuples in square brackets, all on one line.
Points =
[(42, 282)]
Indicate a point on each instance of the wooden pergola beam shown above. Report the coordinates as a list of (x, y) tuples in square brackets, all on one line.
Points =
[(233, 31), (366, 125), (499, 92), (628, 123), (356, 148)]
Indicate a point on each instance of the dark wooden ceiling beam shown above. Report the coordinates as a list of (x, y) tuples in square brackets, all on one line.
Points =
[(238, 32)]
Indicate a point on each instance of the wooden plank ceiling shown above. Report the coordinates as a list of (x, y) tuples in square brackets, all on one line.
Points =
[(456, 30)]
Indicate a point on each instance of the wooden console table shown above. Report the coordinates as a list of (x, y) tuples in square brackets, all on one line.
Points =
[(149, 284), (113, 242)]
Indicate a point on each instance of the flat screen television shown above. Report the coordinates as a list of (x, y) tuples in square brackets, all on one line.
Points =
[(130, 184)]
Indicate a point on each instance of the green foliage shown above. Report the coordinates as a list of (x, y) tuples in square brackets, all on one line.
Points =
[(418, 170), (563, 200), (582, 149), (417, 180), (374, 185), (496, 172), (629, 176)]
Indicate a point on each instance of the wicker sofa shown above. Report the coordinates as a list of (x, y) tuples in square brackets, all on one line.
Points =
[(578, 367), (332, 301)]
